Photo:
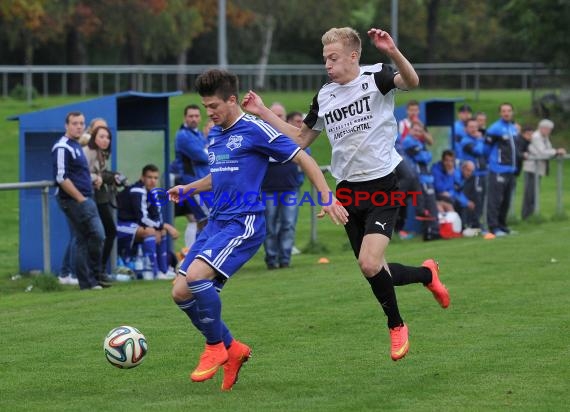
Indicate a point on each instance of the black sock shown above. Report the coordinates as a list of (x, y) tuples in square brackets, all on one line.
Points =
[(404, 275), (383, 288)]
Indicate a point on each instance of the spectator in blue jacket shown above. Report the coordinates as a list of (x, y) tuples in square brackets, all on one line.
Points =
[(502, 167), (448, 184), (75, 198), (468, 200), (463, 114), (189, 165), (415, 150), (473, 149)]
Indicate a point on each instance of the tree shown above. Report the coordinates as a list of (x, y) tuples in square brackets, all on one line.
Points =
[(27, 24), (540, 28)]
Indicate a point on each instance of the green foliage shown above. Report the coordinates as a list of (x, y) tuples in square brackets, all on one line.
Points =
[(541, 27), (158, 31), (19, 92), (46, 283)]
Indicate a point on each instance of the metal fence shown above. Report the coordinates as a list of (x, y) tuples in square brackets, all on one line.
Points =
[(83, 80), (559, 190), (44, 185)]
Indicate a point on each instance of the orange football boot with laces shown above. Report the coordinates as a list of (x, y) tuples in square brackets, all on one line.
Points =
[(438, 289), (399, 342), (238, 354), (213, 357)]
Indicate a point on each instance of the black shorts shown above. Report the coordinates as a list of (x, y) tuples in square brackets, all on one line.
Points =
[(372, 207)]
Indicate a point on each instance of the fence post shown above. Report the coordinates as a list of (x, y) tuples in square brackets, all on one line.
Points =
[(29, 86), (559, 207), (536, 189), (45, 231), (45, 85), (5, 84)]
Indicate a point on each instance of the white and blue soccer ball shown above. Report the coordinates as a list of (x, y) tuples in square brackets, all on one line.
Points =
[(125, 347)]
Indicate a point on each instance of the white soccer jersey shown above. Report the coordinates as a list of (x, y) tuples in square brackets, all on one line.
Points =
[(360, 123)]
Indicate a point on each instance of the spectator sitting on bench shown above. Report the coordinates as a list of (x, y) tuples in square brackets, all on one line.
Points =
[(140, 222)]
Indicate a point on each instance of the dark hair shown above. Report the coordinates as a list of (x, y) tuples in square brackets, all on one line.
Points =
[(506, 104), (191, 106), (92, 145), (447, 153), (412, 103), (149, 168), (216, 82), (527, 128), (290, 115), (72, 114)]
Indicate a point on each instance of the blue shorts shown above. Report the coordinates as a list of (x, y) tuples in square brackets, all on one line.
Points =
[(226, 245), (126, 232)]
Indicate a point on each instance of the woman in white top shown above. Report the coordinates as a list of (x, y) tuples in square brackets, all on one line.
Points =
[(540, 147)]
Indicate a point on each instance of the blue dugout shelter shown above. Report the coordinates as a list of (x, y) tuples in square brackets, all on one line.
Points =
[(435, 113), (139, 123)]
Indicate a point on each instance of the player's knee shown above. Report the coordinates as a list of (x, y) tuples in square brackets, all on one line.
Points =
[(369, 267), (180, 291)]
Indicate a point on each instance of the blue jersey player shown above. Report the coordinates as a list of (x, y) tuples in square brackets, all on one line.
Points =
[(238, 155)]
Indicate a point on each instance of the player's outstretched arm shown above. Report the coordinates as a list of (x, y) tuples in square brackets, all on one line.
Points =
[(333, 208), (252, 103), (202, 185), (407, 78)]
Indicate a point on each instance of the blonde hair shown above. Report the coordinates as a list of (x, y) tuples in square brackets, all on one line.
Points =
[(345, 35)]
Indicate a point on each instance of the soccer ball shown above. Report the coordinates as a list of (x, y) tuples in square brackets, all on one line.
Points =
[(125, 347)]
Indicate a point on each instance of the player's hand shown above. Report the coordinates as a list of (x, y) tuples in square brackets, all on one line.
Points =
[(252, 103), (172, 231), (175, 192), (381, 40), (98, 182), (336, 212)]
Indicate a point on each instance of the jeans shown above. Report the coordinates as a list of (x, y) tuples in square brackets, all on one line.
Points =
[(87, 228), (106, 214), (280, 218), (529, 195), (68, 264)]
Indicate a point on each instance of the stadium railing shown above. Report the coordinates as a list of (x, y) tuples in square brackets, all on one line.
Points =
[(55, 80), (559, 178), (44, 185)]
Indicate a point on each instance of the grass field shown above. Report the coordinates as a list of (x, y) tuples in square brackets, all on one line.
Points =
[(319, 340)]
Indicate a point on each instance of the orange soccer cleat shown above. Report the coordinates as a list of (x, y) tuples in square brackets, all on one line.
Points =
[(438, 289), (399, 342), (213, 357), (238, 354)]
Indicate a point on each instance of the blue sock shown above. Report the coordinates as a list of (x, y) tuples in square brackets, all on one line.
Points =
[(190, 308), (209, 309), (163, 254), (149, 249)]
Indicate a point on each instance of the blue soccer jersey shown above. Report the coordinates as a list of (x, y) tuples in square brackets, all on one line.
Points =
[(238, 158)]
